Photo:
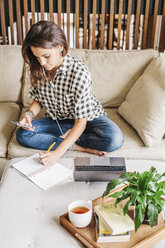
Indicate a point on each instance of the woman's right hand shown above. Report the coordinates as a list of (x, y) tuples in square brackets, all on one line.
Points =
[(27, 121)]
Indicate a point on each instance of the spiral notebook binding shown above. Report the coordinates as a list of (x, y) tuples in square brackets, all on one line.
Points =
[(38, 171)]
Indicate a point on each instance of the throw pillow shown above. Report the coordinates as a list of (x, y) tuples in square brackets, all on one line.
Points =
[(144, 106)]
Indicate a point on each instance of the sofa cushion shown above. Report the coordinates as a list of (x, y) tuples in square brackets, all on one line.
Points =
[(133, 146), (3, 162), (11, 68), (115, 72), (26, 100), (144, 107), (8, 111)]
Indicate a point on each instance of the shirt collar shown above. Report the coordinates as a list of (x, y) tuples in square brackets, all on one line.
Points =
[(65, 65)]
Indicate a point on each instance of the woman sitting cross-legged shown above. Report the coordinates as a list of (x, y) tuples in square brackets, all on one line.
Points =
[(75, 119)]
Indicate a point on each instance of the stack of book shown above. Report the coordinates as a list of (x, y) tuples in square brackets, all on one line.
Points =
[(111, 223)]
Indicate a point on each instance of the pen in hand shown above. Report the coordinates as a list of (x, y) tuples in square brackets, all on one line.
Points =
[(42, 156), (50, 147)]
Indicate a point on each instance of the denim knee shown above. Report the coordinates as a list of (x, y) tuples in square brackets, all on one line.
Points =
[(21, 136), (114, 142)]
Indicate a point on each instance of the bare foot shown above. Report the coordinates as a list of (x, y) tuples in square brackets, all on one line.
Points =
[(88, 150)]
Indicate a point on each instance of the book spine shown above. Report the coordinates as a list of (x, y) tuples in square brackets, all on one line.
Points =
[(96, 226), (103, 220)]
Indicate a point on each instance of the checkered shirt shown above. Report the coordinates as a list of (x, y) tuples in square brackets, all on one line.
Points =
[(69, 95)]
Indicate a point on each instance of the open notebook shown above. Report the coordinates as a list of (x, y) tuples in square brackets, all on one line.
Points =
[(43, 176)]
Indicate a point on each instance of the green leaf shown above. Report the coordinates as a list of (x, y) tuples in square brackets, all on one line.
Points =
[(149, 193), (125, 176), (133, 196), (121, 198), (157, 200), (128, 189), (126, 207), (143, 180), (139, 217), (117, 194), (111, 185), (152, 214), (130, 177), (142, 200), (152, 186), (163, 175), (159, 193), (162, 184), (157, 177), (152, 170), (163, 211)]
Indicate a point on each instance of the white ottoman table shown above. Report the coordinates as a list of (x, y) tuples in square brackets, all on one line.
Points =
[(29, 216)]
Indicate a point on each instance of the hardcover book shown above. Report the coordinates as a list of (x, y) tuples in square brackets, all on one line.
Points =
[(103, 234), (114, 218)]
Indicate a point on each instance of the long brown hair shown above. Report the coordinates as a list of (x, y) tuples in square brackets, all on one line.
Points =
[(45, 34)]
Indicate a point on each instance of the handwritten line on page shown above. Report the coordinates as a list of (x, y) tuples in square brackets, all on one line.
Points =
[(43, 176)]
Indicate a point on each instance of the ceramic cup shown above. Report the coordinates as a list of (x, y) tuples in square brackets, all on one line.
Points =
[(80, 219)]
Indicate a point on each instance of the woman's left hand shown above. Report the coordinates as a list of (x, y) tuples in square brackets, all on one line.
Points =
[(48, 158)]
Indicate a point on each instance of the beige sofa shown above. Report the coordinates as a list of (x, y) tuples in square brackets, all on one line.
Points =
[(113, 73)]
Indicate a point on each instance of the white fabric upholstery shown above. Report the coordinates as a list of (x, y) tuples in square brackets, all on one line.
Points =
[(8, 111), (115, 72), (3, 162), (144, 107), (11, 69), (30, 216)]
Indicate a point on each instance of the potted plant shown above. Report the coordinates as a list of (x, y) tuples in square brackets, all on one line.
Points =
[(144, 191)]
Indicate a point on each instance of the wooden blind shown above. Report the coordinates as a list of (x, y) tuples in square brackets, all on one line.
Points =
[(128, 24), (106, 24), (11, 20), (59, 13), (51, 10), (85, 24), (77, 22), (102, 24), (42, 9), (26, 15), (162, 32), (137, 24), (19, 24), (119, 23), (3, 23), (144, 40), (111, 23), (68, 20), (94, 24), (33, 11)]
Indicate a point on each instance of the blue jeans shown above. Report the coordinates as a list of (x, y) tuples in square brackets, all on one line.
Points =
[(100, 134)]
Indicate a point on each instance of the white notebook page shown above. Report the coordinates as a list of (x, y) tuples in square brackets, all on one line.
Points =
[(43, 176), (52, 176)]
